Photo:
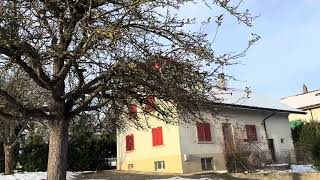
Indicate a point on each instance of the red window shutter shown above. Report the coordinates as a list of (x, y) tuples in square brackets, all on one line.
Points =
[(154, 136), (207, 132), (150, 103), (200, 131), (133, 110), (157, 138), (251, 133), (127, 143), (132, 142), (160, 138)]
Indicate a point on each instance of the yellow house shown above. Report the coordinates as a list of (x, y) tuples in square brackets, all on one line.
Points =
[(309, 102), (254, 122)]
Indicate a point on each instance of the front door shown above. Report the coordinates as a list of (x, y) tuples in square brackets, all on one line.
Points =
[(228, 137), (271, 147)]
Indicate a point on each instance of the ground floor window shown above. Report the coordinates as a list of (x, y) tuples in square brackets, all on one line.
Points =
[(159, 165), (207, 164)]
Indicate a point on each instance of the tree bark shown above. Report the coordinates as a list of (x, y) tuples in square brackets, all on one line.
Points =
[(58, 148), (8, 159)]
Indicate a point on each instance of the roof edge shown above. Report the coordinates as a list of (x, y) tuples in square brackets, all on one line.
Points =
[(259, 108)]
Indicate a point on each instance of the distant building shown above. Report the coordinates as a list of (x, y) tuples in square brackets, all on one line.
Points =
[(256, 125), (308, 101)]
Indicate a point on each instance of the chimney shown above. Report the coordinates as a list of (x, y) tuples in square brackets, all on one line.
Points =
[(222, 81), (305, 89)]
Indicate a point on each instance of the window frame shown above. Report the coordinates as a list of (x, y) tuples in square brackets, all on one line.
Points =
[(133, 110), (150, 104), (251, 131), (204, 133), (162, 165), (205, 164)]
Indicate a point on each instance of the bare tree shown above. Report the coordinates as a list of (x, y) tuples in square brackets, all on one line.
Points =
[(13, 123), (103, 55)]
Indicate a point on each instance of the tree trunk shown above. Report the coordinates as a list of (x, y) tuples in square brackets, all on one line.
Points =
[(8, 159), (58, 148)]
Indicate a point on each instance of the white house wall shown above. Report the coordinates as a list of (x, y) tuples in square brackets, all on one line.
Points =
[(278, 128)]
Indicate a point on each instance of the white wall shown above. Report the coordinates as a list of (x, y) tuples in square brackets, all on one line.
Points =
[(277, 125), (278, 128)]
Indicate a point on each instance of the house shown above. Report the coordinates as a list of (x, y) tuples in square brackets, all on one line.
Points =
[(308, 101), (245, 123)]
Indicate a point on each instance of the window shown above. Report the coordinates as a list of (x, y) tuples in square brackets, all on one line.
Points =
[(251, 133), (159, 165), (133, 110), (129, 142), (157, 136), (206, 164), (150, 103), (204, 132), (282, 140)]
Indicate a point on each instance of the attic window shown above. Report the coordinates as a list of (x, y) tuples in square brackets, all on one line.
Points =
[(150, 103), (133, 110)]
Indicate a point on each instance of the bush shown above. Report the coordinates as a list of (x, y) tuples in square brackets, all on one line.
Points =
[(34, 155), (307, 141), (316, 153), (85, 153), (90, 154)]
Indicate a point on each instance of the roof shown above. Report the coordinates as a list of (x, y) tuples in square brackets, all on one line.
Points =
[(303, 101), (252, 101)]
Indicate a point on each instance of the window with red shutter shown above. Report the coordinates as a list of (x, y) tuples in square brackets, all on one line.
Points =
[(129, 142), (150, 103), (207, 132), (133, 110), (251, 133), (204, 132), (157, 138)]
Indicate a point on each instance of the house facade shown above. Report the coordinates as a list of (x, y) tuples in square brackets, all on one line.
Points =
[(308, 101), (259, 130)]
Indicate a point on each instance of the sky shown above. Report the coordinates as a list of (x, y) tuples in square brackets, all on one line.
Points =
[(284, 59)]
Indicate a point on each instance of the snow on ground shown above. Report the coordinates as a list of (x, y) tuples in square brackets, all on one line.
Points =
[(32, 176), (302, 169)]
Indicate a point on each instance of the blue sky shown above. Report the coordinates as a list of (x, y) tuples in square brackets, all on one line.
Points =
[(285, 57)]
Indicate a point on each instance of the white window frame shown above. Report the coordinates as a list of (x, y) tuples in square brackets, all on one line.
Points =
[(206, 164), (161, 167)]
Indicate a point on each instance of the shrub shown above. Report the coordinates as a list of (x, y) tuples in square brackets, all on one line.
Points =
[(34, 155), (307, 141), (90, 154)]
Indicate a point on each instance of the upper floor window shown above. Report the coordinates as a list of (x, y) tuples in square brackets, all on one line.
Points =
[(133, 110), (157, 138), (150, 103), (251, 133), (130, 142), (204, 131)]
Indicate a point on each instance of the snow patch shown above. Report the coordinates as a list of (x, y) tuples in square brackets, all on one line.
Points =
[(32, 176), (302, 168)]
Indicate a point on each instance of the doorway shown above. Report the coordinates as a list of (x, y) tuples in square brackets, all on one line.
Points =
[(228, 137), (271, 147)]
